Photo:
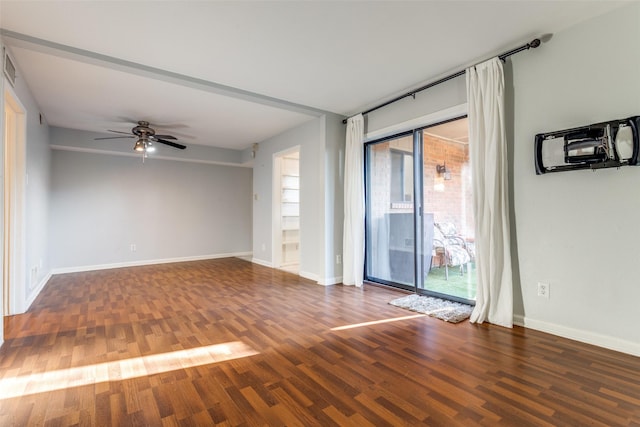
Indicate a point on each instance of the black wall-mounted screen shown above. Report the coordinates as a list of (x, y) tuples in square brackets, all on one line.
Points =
[(601, 145)]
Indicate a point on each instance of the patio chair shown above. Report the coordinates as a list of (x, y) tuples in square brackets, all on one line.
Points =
[(449, 231), (451, 251)]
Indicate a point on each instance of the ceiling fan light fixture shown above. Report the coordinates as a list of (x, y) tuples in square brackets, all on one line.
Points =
[(139, 146), (146, 138)]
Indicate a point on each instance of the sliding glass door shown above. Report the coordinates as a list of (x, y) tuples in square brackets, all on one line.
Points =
[(390, 213), (420, 229)]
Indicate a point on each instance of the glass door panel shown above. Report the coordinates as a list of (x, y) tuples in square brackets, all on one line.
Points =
[(390, 206), (448, 211)]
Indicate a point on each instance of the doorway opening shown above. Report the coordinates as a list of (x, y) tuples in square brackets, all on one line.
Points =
[(286, 210), (13, 257)]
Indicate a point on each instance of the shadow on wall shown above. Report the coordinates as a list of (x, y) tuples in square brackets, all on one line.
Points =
[(518, 300)]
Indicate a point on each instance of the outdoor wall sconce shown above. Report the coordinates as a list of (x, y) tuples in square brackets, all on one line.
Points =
[(443, 170)]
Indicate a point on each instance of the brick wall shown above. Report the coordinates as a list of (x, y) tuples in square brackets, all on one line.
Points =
[(449, 200), (380, 175)]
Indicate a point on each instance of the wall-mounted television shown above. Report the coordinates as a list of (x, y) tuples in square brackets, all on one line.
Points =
[(600, 145)]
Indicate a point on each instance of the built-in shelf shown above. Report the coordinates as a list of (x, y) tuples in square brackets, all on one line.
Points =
[(290, 209)]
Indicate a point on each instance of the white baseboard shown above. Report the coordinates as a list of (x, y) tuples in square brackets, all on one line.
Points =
[(328, 281), (36, 291), (139, 263), (262, 262), (587, 337), (305, 274), (310, 276)]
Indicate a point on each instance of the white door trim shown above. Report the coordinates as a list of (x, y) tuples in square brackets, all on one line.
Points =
[(14, 200)]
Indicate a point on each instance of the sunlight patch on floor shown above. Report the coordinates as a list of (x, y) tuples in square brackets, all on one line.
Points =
[(377, 322), (122, 369)]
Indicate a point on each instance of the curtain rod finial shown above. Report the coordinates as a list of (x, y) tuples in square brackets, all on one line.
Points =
[(534, 43), (545, 37)]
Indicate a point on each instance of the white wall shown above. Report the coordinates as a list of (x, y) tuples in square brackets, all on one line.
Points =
[(36, 198), (321, 143), (579, 230), (171, 210)]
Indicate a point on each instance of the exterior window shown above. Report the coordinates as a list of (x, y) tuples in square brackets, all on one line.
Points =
[(401, 176)]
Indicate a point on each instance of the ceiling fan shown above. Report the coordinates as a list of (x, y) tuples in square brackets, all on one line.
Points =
[(146, 138)]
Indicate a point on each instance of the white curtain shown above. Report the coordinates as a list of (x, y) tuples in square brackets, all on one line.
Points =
[(488, 152), (353, 237)]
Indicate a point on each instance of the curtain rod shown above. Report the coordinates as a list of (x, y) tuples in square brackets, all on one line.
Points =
[(531, 45)]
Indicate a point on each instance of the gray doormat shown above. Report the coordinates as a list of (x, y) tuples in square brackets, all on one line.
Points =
[(448, 311)]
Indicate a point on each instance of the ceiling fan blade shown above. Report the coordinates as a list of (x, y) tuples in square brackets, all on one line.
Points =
[(152, 123), (172, 144), (169, 125), (126, 119), (179, 135), (164, 137), (113, 137), (117, 131)]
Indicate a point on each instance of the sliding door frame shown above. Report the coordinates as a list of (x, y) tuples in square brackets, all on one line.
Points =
[(418, 206), (418, 202)]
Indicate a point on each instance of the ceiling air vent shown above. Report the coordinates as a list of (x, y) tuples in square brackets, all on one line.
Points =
[(9, 68)]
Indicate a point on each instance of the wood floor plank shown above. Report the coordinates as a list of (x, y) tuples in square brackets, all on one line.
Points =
[(229, 343)]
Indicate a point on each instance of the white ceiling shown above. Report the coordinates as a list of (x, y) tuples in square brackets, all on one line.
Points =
[(453, 131), (228, 74)]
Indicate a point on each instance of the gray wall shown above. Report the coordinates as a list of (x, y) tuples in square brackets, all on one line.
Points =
[(321, 144), (437, 98), (309, 137), (38, 169), (101, 204), (36, 197), (579, 230), (335, 135)]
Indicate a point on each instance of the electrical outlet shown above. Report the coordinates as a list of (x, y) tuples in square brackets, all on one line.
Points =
[(133, 247), (543, 290), (338, 259)]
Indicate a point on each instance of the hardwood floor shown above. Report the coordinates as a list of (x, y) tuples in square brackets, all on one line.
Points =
[(230, 343)]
